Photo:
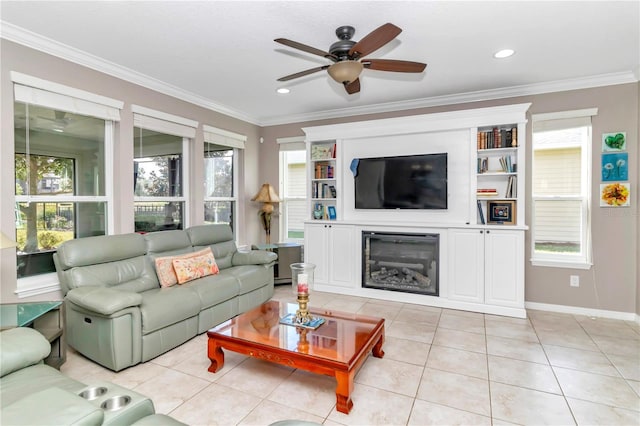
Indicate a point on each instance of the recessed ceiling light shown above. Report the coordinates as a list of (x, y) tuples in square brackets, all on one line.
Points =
[(283, 90), (504, 53)]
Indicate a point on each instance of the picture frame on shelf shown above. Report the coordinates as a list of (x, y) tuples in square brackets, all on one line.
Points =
[(332, 212), (501, 212)]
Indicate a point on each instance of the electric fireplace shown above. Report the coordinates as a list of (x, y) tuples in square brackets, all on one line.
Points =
[(401, 262)]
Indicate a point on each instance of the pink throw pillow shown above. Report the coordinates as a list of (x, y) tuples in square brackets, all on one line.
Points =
[(195, 267), (164, 267)]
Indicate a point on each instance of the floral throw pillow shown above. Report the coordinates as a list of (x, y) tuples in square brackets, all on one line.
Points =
[(164, 267), (195, 267)]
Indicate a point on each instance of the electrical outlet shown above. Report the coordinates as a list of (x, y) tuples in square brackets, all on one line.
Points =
[(574, 281)]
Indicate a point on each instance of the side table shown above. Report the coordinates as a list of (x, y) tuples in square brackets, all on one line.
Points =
[(288, 253), (46, 317)]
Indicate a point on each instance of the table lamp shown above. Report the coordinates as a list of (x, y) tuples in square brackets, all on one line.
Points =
[(267, 196)]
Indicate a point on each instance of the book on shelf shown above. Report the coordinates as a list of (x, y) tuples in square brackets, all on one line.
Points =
[(323, 171), (480, 213), (512, 186), (486, 192), (322, 190), (505, 163), (483, 165), (333, 192), (498, 138)]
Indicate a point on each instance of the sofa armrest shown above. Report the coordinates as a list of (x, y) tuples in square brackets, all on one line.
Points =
[(21, 347), (52, 406), (103, 300), (254, 257)]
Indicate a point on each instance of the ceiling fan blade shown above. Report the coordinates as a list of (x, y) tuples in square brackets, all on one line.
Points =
[(306, 48), (353, 87), (393, 65), (303, 73), (374, 40)]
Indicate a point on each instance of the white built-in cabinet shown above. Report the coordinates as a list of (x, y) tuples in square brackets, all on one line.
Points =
[(332, 252), (486, 266), (482, 231)]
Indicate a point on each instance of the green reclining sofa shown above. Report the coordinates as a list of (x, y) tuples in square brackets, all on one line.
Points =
[(118, 314)]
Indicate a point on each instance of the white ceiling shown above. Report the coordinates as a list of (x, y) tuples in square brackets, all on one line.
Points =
[(221, 54)]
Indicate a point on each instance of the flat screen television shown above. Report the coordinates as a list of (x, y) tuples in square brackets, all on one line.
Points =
[(401, 182)]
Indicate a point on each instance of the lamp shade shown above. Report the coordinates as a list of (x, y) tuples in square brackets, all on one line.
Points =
[(6, 242), (345, 71), (267, 194)]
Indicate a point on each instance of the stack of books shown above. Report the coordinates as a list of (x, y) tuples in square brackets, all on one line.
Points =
[(486, 192)]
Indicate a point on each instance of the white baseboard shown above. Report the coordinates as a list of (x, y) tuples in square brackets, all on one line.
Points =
[(574, 310)]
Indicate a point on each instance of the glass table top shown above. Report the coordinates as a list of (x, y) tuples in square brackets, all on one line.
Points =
[(21, 314), (340, 338)]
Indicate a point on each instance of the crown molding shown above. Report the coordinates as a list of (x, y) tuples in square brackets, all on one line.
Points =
[(44, 44), (35, 41), (482, 95)]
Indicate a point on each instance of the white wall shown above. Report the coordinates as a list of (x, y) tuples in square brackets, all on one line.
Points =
[(455, 143)]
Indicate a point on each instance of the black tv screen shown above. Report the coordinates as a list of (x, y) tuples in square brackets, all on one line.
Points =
[(402, 182)]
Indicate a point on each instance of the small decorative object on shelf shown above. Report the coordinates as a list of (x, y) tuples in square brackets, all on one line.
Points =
[(301, 283)]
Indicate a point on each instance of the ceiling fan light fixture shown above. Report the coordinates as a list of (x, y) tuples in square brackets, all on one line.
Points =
[(345, 72), (283, 90)]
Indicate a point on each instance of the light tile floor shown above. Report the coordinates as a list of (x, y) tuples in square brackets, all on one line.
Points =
[(441, 367)]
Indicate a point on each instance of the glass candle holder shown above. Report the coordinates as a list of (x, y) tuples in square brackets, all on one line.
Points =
[(302, 278)]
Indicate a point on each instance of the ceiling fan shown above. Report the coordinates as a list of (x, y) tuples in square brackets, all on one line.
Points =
[(346, 54)]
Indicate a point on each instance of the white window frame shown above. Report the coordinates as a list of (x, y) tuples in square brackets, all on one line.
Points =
[(35, 91), (237, 142), (162, 122), (294, 143), (557, 121)]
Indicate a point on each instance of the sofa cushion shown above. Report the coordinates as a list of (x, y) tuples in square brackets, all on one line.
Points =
[(52, 404), (166, 306), (219, 237), (100, 249), (166, 272), (133, 274), (167, 242), (33, 379), (194, 267), (21, 347), (250, 277), (214, 289)]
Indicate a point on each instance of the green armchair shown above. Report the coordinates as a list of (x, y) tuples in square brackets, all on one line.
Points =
[(32, 393)]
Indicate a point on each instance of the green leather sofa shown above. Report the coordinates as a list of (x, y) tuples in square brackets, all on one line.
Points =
[(118, 315), (32, 393)]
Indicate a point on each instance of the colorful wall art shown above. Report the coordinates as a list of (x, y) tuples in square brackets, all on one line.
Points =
[(614, 141), (615, 166), (617, 194)]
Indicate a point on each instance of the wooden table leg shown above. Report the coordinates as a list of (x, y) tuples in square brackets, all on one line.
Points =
[(377, 348), (343, 391), (215, 355)]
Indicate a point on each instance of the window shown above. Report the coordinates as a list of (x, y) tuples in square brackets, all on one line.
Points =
[(60, 182), (160, 155), (221, 151), (158, 181), (293, 189), (219, 197), (561, 183)]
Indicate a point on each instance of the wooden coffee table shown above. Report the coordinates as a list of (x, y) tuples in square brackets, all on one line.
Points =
[(337, 348)]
